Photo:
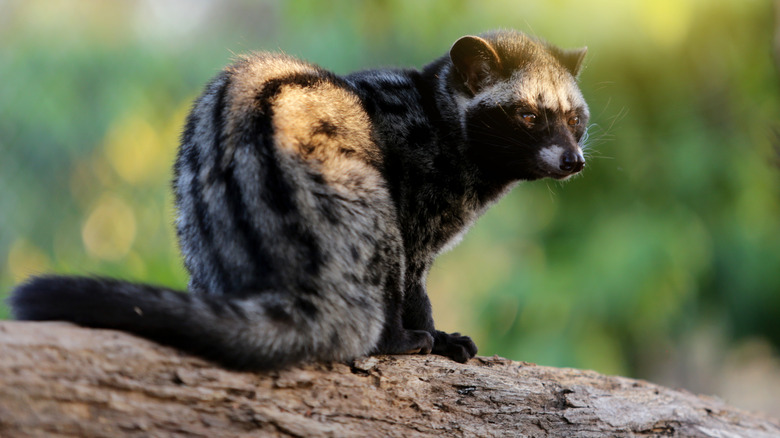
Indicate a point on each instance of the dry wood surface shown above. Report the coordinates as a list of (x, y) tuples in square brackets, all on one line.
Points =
[(57, 379)]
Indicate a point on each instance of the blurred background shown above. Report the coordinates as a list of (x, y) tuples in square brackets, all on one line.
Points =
[(661, 262)]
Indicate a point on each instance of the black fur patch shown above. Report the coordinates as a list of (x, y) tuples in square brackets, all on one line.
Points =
[(307, 148), (316, 177), (309, 310), (278, 313), (390, 108), (419, 134), (328, 210), (325, 127), (310, 252)]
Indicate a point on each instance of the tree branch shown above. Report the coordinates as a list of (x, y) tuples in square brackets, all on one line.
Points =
[(57, 379)]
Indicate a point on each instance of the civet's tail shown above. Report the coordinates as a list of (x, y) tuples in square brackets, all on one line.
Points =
[(235, 332)]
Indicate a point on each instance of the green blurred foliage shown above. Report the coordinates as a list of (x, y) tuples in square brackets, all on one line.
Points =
[(674, 224)]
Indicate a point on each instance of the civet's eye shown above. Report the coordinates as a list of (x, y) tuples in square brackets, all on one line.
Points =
[(529, 118), (574, 121)]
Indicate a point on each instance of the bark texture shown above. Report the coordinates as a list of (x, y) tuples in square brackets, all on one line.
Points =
[(57, 379)]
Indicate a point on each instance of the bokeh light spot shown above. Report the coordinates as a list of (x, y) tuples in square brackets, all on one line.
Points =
[(25, 259), (110, 229), (666, 21), (134, 149)]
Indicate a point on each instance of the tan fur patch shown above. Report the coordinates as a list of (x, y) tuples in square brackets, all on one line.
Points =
[(249, 76), (550, 89), (325, 124)]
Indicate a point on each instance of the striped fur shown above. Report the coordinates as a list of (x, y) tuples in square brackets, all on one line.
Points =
[(311, 206)]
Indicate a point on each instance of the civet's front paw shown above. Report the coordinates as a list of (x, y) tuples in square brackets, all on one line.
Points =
[(454, 345)]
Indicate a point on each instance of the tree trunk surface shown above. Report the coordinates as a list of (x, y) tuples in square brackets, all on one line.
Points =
[(57, 379)]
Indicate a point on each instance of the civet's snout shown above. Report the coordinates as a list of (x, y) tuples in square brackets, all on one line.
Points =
[(561, 162), (571, 162)]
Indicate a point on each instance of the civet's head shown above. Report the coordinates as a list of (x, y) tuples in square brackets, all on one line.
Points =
[(520, 106)]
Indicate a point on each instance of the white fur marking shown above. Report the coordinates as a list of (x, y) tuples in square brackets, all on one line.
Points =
[(552, 155)]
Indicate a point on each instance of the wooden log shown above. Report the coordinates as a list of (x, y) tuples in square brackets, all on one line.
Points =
[(60, 380)]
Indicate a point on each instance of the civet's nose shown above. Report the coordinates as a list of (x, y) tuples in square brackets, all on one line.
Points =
[(572, 162)]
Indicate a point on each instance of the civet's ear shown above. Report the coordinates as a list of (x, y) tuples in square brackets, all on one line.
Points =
[(571, 59), (475, 61)]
